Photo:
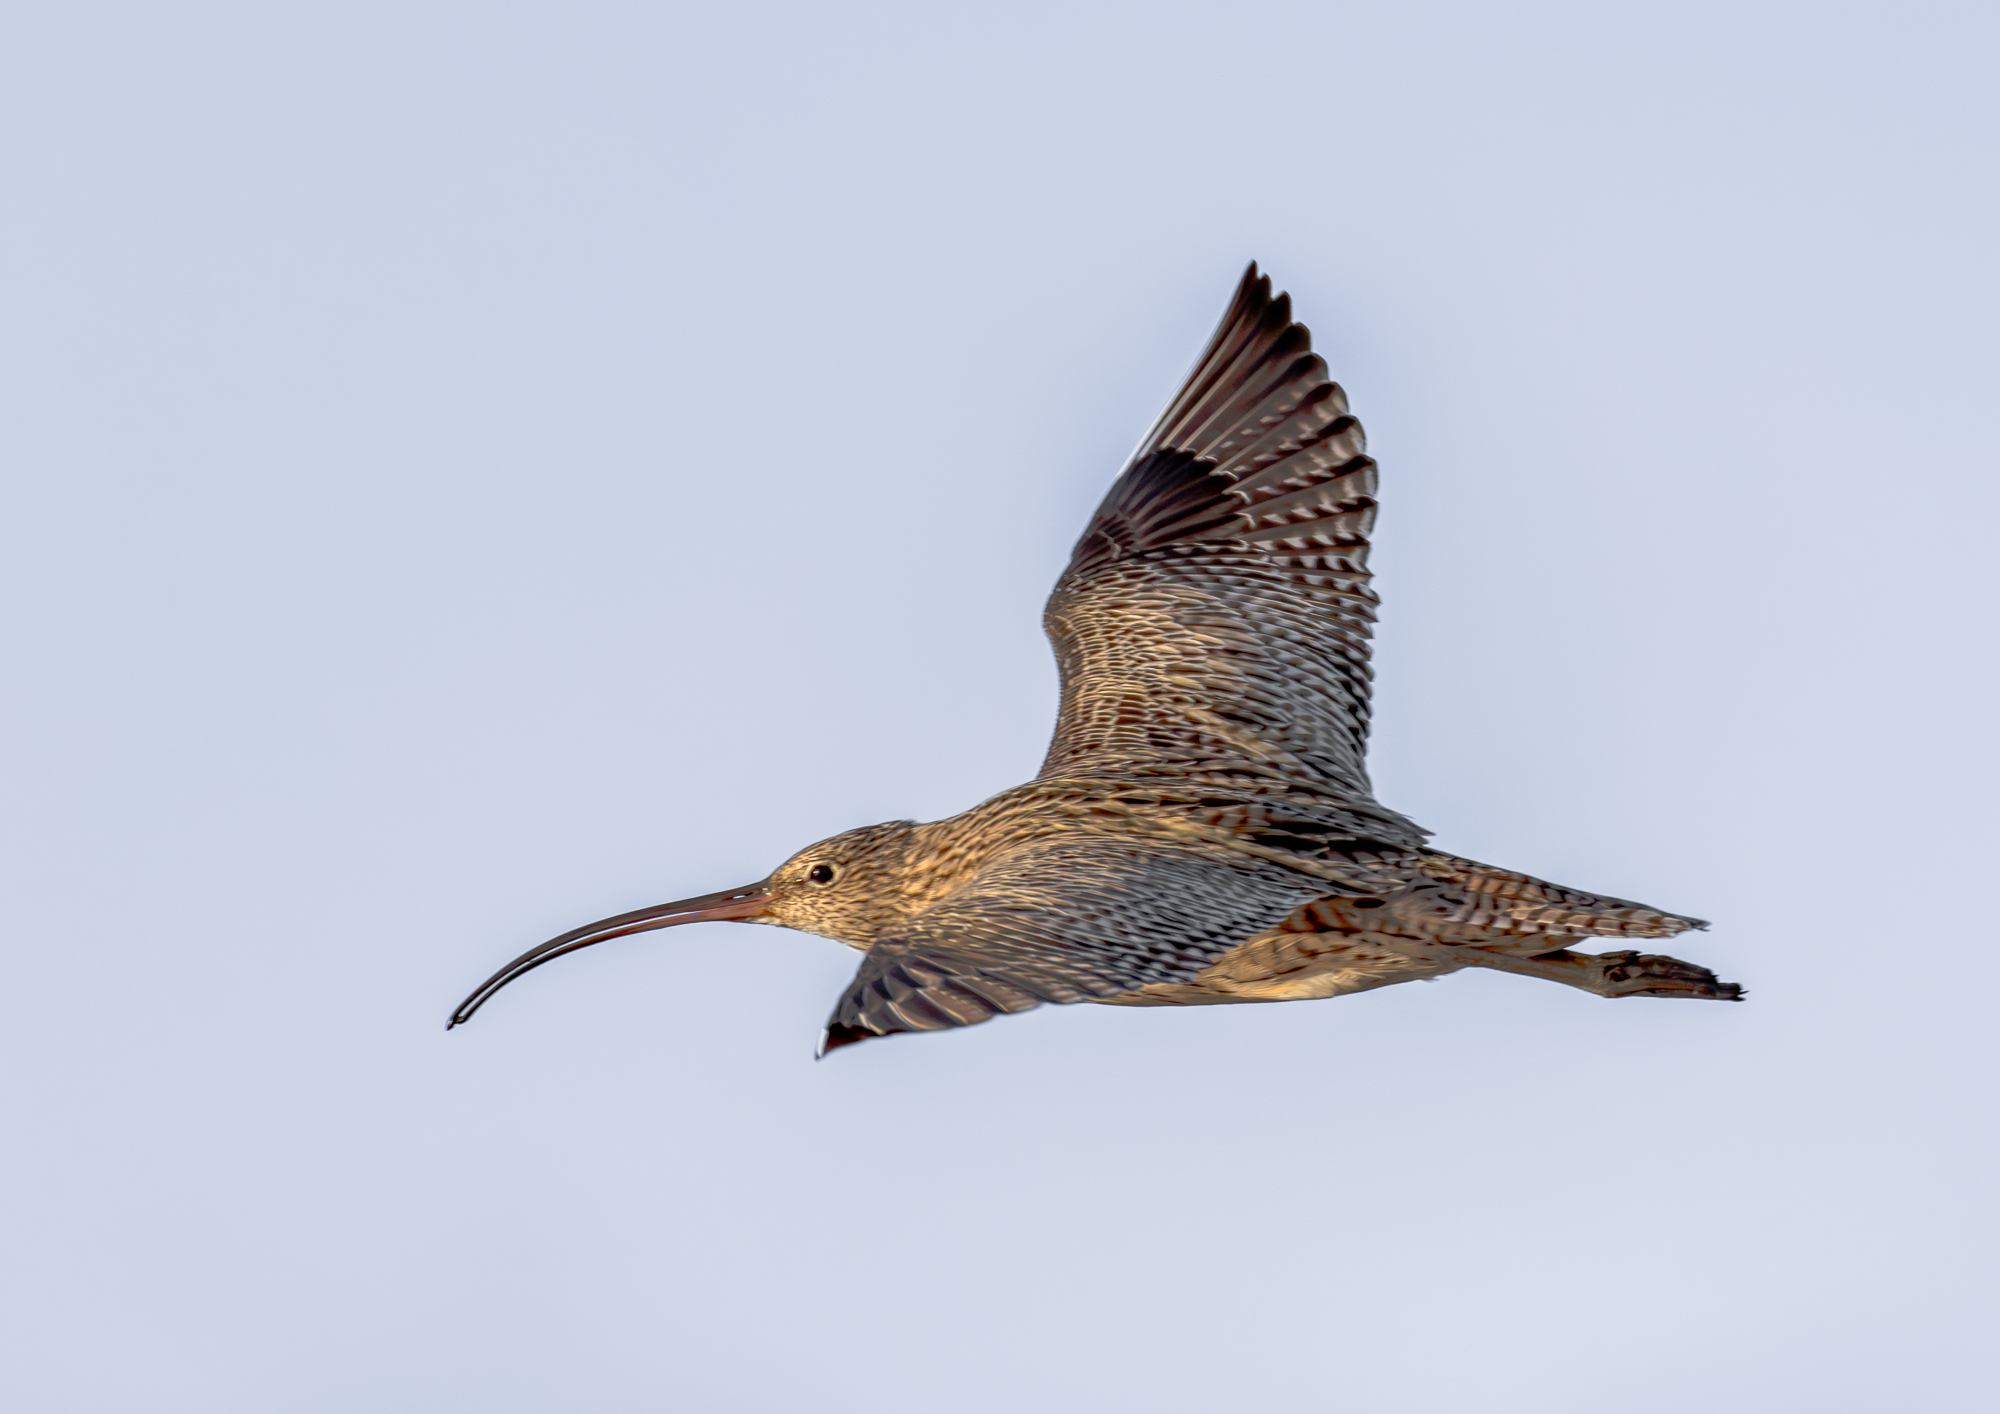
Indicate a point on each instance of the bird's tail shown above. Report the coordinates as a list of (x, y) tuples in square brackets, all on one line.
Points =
[(1508, 902)]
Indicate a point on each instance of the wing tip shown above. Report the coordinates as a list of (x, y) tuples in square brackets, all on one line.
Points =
[(1254, 300), (838, 1034)]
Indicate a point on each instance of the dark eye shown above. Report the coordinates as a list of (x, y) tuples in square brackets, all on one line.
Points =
[(820, 873)]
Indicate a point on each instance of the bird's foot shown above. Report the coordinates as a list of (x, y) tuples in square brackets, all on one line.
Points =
[(1632, 974)]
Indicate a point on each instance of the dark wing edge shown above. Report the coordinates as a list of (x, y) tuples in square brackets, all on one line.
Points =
[(1258, 445), (903, 988)]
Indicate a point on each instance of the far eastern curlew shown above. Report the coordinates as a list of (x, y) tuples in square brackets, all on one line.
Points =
[(1203, 830)]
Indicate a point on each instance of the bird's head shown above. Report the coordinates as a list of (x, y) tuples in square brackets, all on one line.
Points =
[(847, 887)]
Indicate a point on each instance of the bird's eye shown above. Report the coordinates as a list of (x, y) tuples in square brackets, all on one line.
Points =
[(820, 873)]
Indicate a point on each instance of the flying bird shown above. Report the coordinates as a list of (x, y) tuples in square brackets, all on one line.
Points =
[(1203, 830)]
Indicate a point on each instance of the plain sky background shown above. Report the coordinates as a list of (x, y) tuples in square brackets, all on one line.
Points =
[(476, 468)]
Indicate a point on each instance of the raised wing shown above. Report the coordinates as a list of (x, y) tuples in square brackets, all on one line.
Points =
[(1070, 919), (1213, 624)]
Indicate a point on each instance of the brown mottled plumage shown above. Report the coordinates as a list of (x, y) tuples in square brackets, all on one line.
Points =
[(1203, 830)]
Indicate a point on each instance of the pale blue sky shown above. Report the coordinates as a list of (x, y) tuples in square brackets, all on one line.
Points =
[(476, 468)]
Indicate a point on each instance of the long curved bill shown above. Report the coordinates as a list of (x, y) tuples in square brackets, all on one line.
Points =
[(746, 902)]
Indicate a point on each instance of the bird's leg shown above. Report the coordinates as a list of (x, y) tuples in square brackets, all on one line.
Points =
[(1612, 974)]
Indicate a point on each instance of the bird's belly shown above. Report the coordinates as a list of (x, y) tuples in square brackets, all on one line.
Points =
[(1334, 945), (1281, 966)]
